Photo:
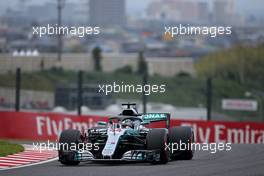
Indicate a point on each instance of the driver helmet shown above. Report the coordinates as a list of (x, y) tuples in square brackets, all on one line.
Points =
[(127, 123)]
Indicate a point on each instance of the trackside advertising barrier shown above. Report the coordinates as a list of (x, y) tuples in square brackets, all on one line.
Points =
[(42, 126), (48, 126)]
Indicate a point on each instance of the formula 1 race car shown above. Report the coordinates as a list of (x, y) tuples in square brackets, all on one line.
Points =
[(125, 137)]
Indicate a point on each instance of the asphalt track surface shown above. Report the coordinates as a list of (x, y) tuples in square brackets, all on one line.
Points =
[(241, 160)]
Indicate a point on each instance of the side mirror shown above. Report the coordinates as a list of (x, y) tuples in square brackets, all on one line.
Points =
[(102, 123)]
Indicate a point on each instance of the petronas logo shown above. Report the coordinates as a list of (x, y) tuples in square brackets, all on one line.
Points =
[(154, 116)]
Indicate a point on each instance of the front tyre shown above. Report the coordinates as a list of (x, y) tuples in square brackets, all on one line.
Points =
[(181, 135), (69, 138), (156, 140)]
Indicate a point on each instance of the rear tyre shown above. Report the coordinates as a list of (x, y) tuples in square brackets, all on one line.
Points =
[(184, 136), (69, 137), (156, 140)]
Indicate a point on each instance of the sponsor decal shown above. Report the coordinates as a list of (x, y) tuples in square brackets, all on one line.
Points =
[(239, 105), (48, 126), (154, 116)]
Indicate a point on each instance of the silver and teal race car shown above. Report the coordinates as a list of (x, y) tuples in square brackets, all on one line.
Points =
[(125, 137)]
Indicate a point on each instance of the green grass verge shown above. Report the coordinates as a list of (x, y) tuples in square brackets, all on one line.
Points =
[(7, 148)]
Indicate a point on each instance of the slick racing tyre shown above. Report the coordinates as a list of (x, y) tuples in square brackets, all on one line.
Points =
[(69, 137), (156, 140), (181, 136)]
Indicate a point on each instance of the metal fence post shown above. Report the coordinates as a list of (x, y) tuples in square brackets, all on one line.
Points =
[(18, 82), (144, 97), (80, 82), (209, 98)]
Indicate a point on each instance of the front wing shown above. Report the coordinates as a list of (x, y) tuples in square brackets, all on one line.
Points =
[(129, 156)]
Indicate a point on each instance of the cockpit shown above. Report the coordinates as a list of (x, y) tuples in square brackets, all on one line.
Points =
[(125, 122)]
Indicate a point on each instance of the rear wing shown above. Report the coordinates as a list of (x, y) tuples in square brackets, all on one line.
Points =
[(157, 117)]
